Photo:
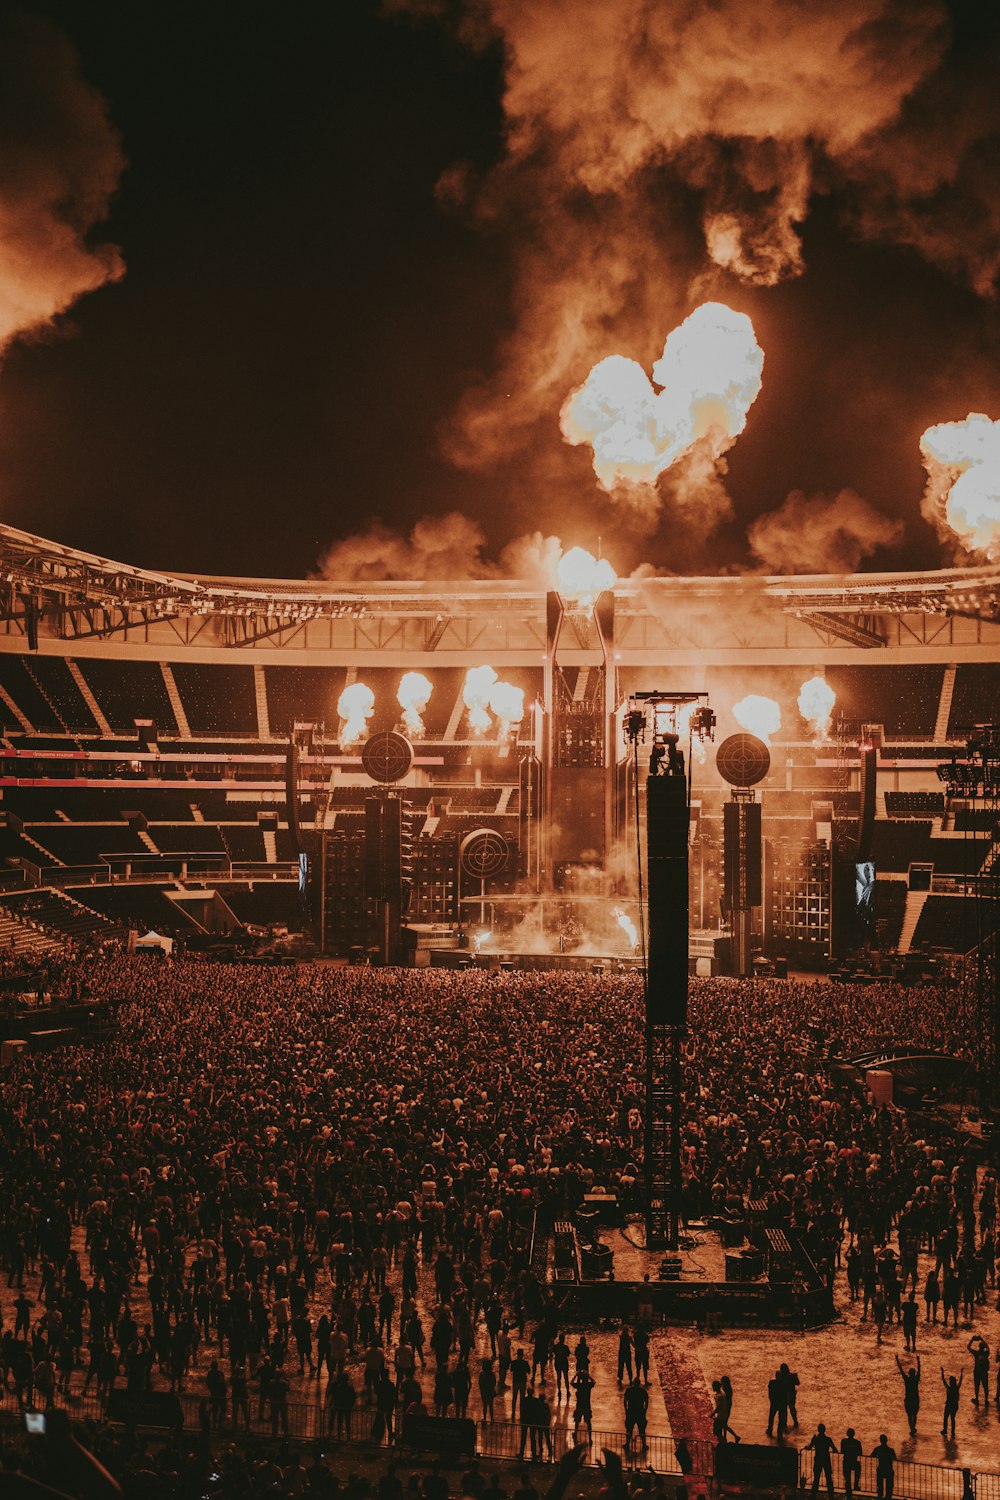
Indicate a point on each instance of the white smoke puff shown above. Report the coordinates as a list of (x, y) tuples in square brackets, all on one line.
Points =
[(710, 373), (821, 533), (758, 715), (60, 163), (476, 696), (963, 481), (355, 706), (816, 700), (413, 696)]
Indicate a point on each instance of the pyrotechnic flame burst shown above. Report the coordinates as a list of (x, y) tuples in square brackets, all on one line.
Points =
[(710, 373), (627, 926), (476, 696), (507, 702), (413, 696), (758, 715), (483, 691), (963, 480), (355, 706), (816, 700), (581, 577)]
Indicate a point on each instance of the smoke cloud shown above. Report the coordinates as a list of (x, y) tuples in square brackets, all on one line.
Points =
[(442, 547), (623, 114), (448, 546), (962, 498), (821, 533), (709, 375), (60, 162)]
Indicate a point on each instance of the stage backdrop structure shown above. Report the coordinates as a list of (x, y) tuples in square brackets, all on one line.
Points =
[(662, 716), (743, 761)]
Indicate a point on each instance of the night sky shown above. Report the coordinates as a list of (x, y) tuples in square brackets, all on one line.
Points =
[(328, 234)]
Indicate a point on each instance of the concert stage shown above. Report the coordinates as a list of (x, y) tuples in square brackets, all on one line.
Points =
[(723, 1274), (585, 963)]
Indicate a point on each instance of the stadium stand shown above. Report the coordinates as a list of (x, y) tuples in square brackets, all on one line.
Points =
[(59, 915), (947, 922), (244, 843), (84, 843), (144, 906), (899, 842), (128, 690), (217, 699), (22, 937), (18, 682), (57, 685), (902, 698), (976, 699), (308, 694), (890, 908), (266, 902), (187, 838), (914, 804), (975, 819)]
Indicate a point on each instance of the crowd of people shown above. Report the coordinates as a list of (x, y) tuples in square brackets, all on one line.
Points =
[(266, 1183)]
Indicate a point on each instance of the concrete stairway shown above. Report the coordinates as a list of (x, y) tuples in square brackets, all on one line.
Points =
[(915, 903), (183, 727), (944, 705)]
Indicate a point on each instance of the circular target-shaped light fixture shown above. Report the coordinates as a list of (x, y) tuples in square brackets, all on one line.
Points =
[(387, 757), (743, 760), (485, 853)]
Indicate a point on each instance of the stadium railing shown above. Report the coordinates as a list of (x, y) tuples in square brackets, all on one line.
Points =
[(310, 1421)]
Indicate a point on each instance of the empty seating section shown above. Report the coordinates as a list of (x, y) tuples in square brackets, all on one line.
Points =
[(14, 845), (129, 690), (900, 842), (143, 906), (890, 908), (245, 844), (59, 686), (975, 819), (948, 922), (187, 838), (16, 680), (914, 804), (265, 902), (56, 914), (286, 846), (976, 698), (84, 843), (217, 699), (895, 845), (902, 698), (308, 694)]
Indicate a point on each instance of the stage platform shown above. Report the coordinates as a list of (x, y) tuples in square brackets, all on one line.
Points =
[(587, 963), (721, 1274)]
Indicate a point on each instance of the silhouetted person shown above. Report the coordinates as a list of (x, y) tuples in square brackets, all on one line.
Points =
[(911, 1392)]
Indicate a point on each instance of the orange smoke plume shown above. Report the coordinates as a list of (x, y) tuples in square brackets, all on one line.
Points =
[(60, 161), (821, 533)]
